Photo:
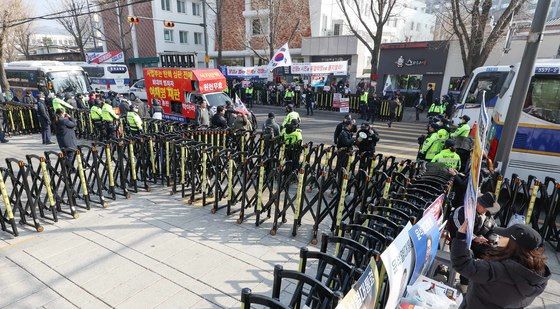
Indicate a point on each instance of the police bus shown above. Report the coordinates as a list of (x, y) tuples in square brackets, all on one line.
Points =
[(45, 76), (108, 76), (536, 150)]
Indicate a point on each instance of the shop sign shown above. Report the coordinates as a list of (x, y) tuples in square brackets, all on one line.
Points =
[(401, 62)]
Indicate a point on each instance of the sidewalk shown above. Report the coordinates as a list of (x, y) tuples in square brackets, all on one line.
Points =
[(153, 251)]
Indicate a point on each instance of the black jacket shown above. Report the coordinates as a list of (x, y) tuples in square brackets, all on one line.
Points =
[(495, 284), (65, 134), (368, 144), (218, 121), (345, 139)]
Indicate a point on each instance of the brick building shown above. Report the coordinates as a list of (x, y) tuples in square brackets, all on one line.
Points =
[(152, 38), (246, 29)]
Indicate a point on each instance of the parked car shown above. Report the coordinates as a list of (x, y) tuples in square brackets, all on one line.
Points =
[(138, 90)]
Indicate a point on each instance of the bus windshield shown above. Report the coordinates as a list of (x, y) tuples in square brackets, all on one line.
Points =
[(68, 81), (492, 82), (217, 99), (543, 98)]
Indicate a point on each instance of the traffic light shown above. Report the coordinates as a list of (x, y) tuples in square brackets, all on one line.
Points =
[(168, 24), (133, 20)]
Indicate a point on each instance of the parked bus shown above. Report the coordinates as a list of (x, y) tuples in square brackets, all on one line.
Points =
[(536, 150), (490, 79), (108, 76), (45, 76)]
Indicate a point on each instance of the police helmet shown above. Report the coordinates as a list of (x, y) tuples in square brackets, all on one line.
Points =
[(289, 108)]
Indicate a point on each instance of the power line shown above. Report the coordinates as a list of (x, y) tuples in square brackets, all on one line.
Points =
[(59, 15)]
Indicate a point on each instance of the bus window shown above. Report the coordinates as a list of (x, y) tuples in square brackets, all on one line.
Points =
[(68, 81), (94, 72), (543, 98), (491, 82)]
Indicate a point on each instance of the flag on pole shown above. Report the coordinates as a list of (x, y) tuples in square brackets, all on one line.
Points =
[(281, 58)]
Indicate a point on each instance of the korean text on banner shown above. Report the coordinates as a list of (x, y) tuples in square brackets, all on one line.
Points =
[(398, 262), (425, 237), (333, 67), (363, 294), (480, 132)]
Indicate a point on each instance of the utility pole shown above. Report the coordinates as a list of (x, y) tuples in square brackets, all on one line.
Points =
[(205, 25), (137, 67), (522, 84)]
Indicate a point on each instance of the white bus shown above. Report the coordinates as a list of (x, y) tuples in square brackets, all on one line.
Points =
[(45, 76), (490, 79), (536, 150), (108, 76)]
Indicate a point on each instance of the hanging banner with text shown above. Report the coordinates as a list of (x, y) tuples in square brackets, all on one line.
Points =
[(105, 57), (334, 67), (248, 72)]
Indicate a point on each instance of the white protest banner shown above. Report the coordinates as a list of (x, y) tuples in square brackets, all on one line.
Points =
[(397, 259), (256, 71), (333, 67)]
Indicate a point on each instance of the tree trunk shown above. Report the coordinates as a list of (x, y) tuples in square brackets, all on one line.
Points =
[(375, 53), (3, 79)]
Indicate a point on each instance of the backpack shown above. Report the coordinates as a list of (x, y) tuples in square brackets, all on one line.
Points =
[(268, 132)]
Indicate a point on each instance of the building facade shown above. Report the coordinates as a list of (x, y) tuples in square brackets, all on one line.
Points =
[(144, 42), (248, 22)]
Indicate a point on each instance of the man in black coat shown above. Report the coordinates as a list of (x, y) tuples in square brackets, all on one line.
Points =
[(218, 120), (65, 135), (44, 120), (341, 126), (345, 139), (429, 95)]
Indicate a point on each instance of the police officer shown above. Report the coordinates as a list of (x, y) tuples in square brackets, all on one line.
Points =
[(289, 96), (432, 145), (95, 114), (291, 133), (109, 117), (366, 139), (134, 121), (464, 129), (249, 95), (59, 103), (292, 115), (448, 156), (363, 104), (436, 109)]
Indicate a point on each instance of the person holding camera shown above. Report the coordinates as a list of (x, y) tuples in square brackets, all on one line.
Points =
[(484, 237), (66, 136)]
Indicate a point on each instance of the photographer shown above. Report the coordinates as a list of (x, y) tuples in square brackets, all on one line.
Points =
[(484, 237), (65, 136)]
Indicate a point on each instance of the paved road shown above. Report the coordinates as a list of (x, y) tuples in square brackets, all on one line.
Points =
[(156, 251), (400, 140)]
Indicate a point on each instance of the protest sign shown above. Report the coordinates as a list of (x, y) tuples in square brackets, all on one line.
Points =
[(425, 237), (363, 294), (397, 259)]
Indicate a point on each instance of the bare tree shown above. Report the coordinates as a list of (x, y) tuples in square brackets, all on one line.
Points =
[(369, 33), (9, 11), (268, 30), (76, 22), (472, 24), (117, 18), (21, 39)]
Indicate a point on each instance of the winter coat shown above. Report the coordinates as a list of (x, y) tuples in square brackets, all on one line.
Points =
[(218, 121), (65, 135), (345, 139), (495, 284), (43, 114)]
